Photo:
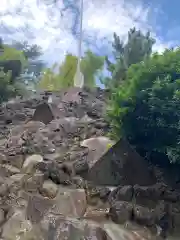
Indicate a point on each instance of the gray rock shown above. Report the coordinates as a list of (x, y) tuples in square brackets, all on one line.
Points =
[(121, 164), (2, 216), (81, 166), (120, 212), (16, 227), (122, 193), (144, 216), (31, 162), (16, 161), (49, 189), (54, 172)]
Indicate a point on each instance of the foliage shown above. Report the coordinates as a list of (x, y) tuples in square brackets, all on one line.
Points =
[(12, 63), (146, 108), (9, 53), (49, 80), (12, 60), (6, 89), (67, 71), (91, 65), (136, 49), (32, 54)]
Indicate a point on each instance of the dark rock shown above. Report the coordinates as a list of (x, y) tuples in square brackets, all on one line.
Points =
[(144, 216), (171, 195), (120, 212), (37, 207), (59, 227), (122, 193), (81, 166), (19, 117), (176, 222), (150, 192), (121, 164), (98, 192), (78, 182), (104, 193), (54, 172), (45, 113)]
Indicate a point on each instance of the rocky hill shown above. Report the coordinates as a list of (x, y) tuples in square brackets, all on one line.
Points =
[(62, 178)]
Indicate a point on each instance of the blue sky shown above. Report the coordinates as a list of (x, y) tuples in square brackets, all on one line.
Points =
[(167, 24), (57, 33)]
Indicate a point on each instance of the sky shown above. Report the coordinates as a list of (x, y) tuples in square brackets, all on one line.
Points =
[(55, 27)]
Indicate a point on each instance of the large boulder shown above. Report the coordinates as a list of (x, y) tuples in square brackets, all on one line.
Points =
[(17, 226), (97, 147), (45, 112), (68, 202), (31, 162), (121, 212), (121, 164)]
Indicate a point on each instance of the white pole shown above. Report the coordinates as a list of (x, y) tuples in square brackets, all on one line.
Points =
[(78, 79)]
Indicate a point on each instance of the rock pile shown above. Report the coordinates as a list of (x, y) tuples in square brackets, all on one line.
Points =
[(61, 178)]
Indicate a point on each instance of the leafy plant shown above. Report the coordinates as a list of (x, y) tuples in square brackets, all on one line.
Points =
[(145, 109)]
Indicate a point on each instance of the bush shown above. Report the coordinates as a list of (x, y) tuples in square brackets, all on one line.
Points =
[(146, 107), (6, 89), (12, 62)]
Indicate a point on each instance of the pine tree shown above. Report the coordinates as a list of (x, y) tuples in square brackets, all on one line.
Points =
[(136, 49)]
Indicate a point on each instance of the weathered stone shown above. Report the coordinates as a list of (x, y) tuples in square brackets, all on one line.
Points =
[(19, 117), (81, 166), (34, 183), (31, 162), (150, 195), (120, 212), (171, 195), (37, 207), (54, 172), (18, 178), (2, 216), (176, 222), (165, 218), (56, 157), (144, 216), (31, 126), (97, 148), (16, 161), (4, 189), (10, 170), (3, 158), (153, 192), (72, 96), (49, 189), (68, 202), (122, 193), (71, 202), (43, 113), (78, 182), (66, 229), (104, 193), (121, 164), (16, 227), (98, 215), (115, 232)]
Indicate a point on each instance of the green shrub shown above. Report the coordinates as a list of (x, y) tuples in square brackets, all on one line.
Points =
[(146, 108)]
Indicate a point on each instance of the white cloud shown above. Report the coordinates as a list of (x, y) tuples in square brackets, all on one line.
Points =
[(53, 32)]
